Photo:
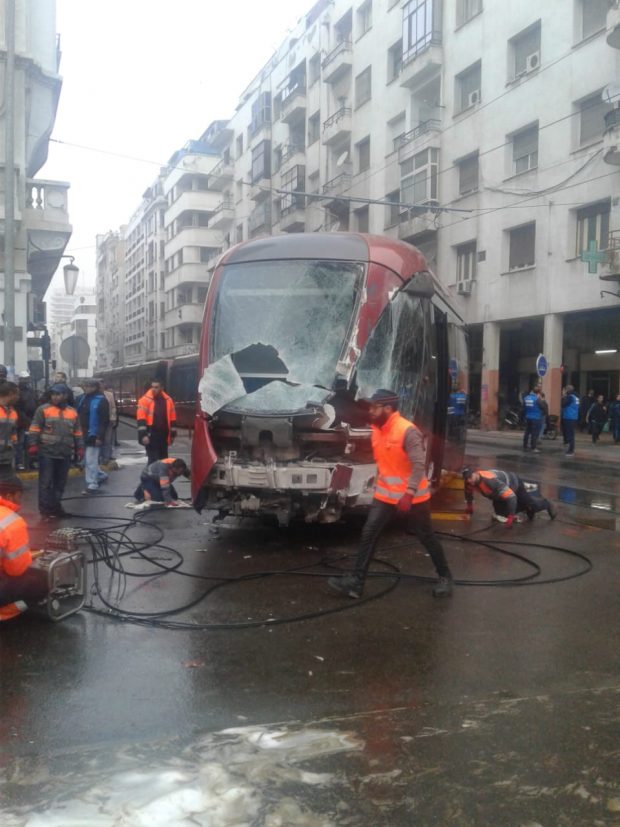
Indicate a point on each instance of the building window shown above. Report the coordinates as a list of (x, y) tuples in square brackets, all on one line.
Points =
[(525, 150), (469, 169), (593, 16), (261, 112), (466, 261), (421, 26), (261, 161), (361, 219), (314, 128), (344, 27), (592, 111), (418, 178), (239, 233), (468, 87), (392, 216), (593, 225), (293, 181), (466, 9), (364, 18), (314, 69), (525, 48), (363, 154), (522, 247), (240, 145), (363, 87), (395, 60)]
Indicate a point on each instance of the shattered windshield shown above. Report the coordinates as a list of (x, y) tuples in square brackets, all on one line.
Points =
[(299, 313)]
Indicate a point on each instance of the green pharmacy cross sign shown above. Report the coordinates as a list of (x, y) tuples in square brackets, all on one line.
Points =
[(593, 256)]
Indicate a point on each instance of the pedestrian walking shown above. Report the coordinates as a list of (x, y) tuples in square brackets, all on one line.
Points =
[(25, 407), (54, 435), (597, 417), (507, 492), (584, 406), (9, 394), (156, 481), (157, 422), (570, 416), (94, 413), (533, 418), (107, 449), (401, 487), (614, 418)]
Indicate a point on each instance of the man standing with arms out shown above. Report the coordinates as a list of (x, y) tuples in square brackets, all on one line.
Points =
[(570, 416), (401, 486), (94, 413), (508, 493), (9, 394), (54, 434), (533, 417), (157, 422), (16, 584)]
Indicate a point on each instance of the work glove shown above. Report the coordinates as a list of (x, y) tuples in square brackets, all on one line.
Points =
[(33, 450), (469, 508), (404, 504), (509, 520)]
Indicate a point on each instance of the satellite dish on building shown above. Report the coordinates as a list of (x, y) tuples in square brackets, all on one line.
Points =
[(611, 93), (342, 159), (75, 351)]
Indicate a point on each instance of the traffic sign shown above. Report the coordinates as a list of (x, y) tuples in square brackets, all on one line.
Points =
[(542, 365), (453, 369)]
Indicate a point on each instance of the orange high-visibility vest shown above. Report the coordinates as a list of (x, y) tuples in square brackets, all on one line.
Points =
[(15, 555), (8, 433), (146, 409), (393, 464)]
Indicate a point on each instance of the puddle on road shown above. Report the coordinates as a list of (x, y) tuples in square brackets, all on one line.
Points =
[(225, 779)]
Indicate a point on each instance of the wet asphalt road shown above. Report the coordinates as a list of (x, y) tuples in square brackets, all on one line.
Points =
[(499, 706)]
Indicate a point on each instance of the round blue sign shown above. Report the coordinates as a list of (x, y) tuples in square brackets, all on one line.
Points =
[(541, 366), (453, 369)]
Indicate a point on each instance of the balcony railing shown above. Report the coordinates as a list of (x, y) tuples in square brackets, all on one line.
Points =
[(612, 118), (341, 113), (290, 150), (293, 92), (431, 125), (341, 48), (337, 185)]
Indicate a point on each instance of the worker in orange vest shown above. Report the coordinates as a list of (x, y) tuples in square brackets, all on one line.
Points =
[(157, 422), (18, 586), (401, 486)]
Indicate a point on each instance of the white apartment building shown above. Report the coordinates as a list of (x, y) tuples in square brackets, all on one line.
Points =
[(477, 131), (42, 228), (110, 336)]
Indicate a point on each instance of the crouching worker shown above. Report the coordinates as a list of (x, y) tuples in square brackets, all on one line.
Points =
[(398, 449), (156, 482), (18, 585), (508, 494)]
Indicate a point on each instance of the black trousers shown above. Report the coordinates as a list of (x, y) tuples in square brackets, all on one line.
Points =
[(157, 447), (532, 430), (29, 587), (53, 472), (529, 501), (418, 523), (568, 428)]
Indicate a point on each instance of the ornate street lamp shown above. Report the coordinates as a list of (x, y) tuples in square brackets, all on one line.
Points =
[(71, 272)]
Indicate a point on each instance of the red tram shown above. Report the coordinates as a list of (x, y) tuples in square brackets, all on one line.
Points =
[(297, 330)]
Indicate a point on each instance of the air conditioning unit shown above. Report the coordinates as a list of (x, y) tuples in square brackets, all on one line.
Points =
[(463, 288), (532, 62), (474, 97)]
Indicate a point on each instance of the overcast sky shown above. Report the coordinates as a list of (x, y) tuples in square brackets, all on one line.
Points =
[(141, 77)]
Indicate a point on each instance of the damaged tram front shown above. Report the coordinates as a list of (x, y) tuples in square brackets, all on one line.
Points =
[(298, 329)]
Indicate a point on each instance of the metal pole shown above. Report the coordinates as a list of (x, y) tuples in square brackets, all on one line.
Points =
[(9, 189)]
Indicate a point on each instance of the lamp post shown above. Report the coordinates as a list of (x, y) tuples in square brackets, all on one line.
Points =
[(70, 272)]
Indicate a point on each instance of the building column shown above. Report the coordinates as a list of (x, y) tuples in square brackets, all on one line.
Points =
[(490, 376), (553, 340)]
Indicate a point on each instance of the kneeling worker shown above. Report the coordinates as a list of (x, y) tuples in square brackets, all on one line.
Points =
[(18, 586), (508, 494), (398, 448), (156, 481)]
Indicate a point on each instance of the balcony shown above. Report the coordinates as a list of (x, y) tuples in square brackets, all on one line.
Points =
[(423, 136), (46, 219), (223, 216), (337, 128), (293, 213), (184, 314), (613, 25), (260, 190), (292, 155), (421, 63), (221, 175), (193, 237), (192, 272), (294, 104), (418, 220), (259, 220), (192, 201), (338, 62), (611, 137), (335, 188)]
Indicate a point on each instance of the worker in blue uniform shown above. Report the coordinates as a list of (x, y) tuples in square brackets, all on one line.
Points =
[(570, 416), (533, 417)]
